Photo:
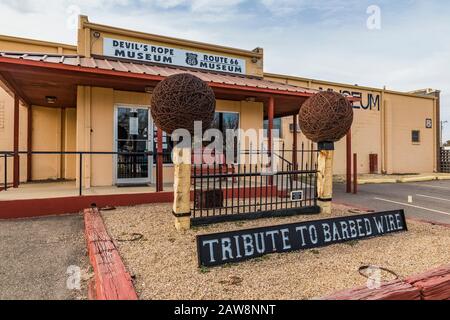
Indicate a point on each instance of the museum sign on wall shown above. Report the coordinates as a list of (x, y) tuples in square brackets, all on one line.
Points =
[(172, 56)]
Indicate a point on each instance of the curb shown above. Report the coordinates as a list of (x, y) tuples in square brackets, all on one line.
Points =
[(430, 285), (111, 279), (399, 180)]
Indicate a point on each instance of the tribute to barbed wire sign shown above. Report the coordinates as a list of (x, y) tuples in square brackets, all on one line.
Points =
[(238, 246), (181, 100), (326, 117)]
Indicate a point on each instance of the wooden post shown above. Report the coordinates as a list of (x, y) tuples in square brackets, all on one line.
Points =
[(349, 162), (325, 176), (355, 173), (16, 180), (159, 162), (182, 188), (30, 143), (295, 144)]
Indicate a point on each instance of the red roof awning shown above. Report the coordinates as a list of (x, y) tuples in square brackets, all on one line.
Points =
[(34, 76)]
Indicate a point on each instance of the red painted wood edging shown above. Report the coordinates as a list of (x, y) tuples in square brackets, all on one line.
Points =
[(112, 280), (431, 285), (15, 209)]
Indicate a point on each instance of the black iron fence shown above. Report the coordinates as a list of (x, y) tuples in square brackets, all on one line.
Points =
[(223, 192), (129, 164), (445, 160)]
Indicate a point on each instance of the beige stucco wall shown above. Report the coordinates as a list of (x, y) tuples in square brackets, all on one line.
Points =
[(385, 131), (13, 44), (403, 116), (46, 137), (70, 144)]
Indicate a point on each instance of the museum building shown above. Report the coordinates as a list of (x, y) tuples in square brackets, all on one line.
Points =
[(58, 100)]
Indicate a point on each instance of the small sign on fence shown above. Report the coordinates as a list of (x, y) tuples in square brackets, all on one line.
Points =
[(297, 196), (237, 246)]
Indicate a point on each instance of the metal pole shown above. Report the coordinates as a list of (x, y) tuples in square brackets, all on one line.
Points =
[(349, 162), (81, 174), (355, 173)]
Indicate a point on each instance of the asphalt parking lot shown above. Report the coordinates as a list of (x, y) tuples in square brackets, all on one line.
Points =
[(39, 256), (430, 200)]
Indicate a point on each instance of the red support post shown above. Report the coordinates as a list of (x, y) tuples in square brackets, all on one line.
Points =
[(16, 179), (355, 173), (295, 143), (159, 162), (349, 162), (29, 143), (271, 115)]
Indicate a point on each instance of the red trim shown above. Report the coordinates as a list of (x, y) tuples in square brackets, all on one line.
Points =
[(14, 209), (349, 161), (96, 71), (159, 163), (295, 142), (112, 281), (16, 179)]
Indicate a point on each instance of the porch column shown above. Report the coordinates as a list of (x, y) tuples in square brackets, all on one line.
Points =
[(16, 179), (271, 113), (295, 143), (159, 162), (29, 143)]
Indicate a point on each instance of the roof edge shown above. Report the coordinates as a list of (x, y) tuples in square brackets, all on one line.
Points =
[(38, 42), (346, 85), (177, 41)]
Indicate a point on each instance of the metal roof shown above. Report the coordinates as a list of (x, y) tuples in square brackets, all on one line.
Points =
[(102, 63)]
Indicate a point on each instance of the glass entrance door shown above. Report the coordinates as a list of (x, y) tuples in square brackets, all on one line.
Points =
[(134, 134)]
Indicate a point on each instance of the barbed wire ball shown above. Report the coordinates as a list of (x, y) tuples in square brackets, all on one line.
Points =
[(180, 100), (326, 117)]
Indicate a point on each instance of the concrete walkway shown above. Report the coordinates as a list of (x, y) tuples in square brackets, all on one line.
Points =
[(35, 255)]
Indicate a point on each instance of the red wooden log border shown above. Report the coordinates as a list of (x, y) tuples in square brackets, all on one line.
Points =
[(111, 279)]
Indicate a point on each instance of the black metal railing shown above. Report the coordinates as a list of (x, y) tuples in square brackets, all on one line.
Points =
[(445, 160), (134, 158), (244, 191)]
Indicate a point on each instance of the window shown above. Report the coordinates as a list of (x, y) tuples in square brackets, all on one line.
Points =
[(223, 121), (167, 147), (277, 125), (415, 136)]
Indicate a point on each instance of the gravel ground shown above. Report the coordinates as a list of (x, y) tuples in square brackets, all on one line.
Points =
[(35, 255), (164, 262)]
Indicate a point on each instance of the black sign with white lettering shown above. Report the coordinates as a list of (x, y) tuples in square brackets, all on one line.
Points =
[(230, 247)]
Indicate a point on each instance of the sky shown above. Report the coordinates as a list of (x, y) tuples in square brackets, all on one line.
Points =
[(402, 44)]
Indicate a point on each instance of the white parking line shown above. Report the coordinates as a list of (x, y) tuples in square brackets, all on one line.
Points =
[(435, 198), (410, 205)]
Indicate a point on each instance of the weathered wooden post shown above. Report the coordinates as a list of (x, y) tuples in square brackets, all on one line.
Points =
[(325, 176), (326, 118), (182, 188), (178, 104)]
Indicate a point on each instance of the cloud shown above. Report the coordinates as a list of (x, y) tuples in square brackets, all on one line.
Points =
[(319, 39)]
